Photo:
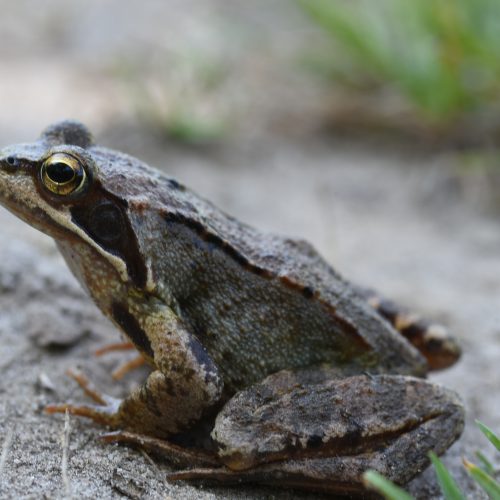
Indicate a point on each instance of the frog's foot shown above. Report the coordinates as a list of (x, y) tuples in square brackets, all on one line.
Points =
[(339, 476), (176, 455), (126, 367), (105, 412)]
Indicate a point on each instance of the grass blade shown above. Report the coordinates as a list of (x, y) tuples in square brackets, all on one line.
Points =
[(425, 51), (486, 464), (494, 439), (486, 482), (389, 490), (449, 487)]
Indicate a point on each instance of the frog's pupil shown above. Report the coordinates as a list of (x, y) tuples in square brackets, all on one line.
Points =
[(60, 172)]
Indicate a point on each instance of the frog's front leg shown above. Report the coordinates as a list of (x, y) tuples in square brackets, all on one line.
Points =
[(292, 430), (183, 386)]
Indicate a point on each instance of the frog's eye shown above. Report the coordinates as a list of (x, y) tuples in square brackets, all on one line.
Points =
[(63, 174)]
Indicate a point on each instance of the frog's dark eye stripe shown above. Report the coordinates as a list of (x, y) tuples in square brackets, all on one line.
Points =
[(104, 219), (62, 174)]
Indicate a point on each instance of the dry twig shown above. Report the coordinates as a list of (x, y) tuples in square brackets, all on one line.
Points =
[(65, 456)]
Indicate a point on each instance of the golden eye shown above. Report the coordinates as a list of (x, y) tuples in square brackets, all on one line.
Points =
[(62, 174)]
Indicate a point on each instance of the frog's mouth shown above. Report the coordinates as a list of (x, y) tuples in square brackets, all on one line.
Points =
[(35, 214)]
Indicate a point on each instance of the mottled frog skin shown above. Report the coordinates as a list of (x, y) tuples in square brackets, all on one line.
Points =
[(302, 378)]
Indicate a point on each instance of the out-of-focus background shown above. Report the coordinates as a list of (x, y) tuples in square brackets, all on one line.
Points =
[(370, 129)]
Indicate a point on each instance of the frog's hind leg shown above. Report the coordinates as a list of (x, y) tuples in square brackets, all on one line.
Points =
[(324, 436), (433, 340), (338, 475)]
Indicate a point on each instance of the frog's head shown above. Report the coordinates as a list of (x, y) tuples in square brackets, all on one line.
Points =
[(57, 185)]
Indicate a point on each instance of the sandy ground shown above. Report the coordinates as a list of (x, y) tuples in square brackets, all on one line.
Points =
[(396, 221)]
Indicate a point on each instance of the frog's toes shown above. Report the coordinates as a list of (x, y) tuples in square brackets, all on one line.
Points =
[(128, 366), (175, 454), (90, 389), (125, 367), (114, 347), (105, 415), (104, 412)]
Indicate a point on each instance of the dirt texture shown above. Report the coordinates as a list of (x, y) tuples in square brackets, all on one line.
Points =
[(387, 218)]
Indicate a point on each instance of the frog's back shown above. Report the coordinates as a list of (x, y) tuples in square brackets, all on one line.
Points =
[(258, 302)]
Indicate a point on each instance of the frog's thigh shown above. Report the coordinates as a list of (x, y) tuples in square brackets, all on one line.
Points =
[(295, 433)]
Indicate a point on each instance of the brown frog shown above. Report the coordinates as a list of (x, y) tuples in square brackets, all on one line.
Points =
[(302, 379)]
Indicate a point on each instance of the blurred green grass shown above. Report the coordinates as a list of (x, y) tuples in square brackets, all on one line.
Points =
[(439, 56), (178, 94)]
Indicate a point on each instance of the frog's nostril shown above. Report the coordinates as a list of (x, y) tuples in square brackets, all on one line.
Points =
[(9, 163)]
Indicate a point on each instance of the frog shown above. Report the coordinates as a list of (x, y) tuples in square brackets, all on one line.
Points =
[(266, 365)]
